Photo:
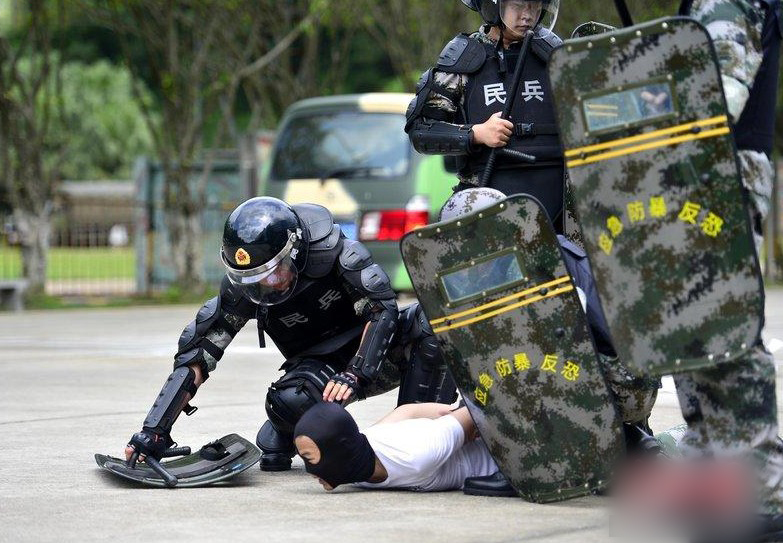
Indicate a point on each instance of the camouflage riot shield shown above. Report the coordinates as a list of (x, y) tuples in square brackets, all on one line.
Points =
[(511, 328), (658, 194)]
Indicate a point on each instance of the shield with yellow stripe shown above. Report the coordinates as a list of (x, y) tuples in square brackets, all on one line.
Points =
[(655, 178), (512, 330)]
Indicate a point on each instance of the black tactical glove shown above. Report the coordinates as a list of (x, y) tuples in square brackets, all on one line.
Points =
[(149, 443), (352, 381)]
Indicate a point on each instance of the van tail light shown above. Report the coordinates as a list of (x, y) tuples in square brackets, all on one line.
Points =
[(392, 224)]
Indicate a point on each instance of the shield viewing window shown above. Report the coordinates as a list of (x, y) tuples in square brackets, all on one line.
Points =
[(635, 106), (481, 277)]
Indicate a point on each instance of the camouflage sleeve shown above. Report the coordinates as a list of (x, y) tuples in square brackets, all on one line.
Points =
[(437, 127), (735, 28), (446, 97), (205, 339)]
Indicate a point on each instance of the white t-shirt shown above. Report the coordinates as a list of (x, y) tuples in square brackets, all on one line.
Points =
[(427, 454)]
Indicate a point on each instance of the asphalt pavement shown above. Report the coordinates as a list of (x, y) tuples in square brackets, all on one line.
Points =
[(77, 382)]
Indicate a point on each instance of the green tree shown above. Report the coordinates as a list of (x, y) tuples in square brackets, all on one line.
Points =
[(197, 54), (30, 151), (103, 128)]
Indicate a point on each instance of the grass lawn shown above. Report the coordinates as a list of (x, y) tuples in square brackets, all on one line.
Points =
[(75, 263)]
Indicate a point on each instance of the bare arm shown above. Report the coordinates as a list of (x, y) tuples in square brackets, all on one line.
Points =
[(466, 421), (417, 411)]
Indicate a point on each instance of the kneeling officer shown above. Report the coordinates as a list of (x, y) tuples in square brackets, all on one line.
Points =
[(324, 303)]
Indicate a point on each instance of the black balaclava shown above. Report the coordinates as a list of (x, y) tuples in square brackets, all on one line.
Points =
[(346, 455)]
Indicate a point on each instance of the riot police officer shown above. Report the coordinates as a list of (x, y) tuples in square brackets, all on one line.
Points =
[(326, 305), (458, 102), (733, 406)]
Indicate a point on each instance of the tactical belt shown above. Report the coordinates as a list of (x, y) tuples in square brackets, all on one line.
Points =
[(535, 129)]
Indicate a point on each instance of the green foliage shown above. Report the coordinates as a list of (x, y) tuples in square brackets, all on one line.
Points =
[(389, 43), (603, 11), (103, 124), (99, 131)]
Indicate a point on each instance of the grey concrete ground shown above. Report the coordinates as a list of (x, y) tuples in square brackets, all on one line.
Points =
[(73, 383)]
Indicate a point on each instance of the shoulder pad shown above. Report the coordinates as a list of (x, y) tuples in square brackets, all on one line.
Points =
[(374, 280), (544, 42), (355, 256), (571, 247), (317, 219), (328, 241), (462, 55), (323, 253)]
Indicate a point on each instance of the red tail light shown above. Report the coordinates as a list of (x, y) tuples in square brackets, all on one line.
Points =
[(390, 225)]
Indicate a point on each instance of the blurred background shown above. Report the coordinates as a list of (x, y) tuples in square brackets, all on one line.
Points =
[(129, 129)]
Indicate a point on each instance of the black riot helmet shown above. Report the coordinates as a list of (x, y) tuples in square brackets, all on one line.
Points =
[(492, 11), (264, 249)]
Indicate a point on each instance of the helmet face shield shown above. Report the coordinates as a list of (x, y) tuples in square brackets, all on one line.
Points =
[(270, 283), (519, 16), (549, 15), (265, 287)]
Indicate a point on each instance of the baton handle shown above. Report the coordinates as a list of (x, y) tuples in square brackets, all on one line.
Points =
[(517, 155), (167, 477), (133, 459), (506, 113), (176, 451)]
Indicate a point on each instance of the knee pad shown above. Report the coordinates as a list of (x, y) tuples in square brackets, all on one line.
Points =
[(296, 392), (426, 377)]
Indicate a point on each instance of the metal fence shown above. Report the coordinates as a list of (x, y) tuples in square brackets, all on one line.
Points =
[(91, 243), (110, 237)]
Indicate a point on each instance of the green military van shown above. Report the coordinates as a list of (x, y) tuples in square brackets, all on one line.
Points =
[(350, 154)]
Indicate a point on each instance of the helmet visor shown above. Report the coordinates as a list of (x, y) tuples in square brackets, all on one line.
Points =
[(519, 16), (264, 285)]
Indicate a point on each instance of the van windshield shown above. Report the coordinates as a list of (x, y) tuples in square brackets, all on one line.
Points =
[(342, 144)]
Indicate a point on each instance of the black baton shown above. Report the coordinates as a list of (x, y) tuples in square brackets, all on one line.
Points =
[(167, 477), (506, 113)]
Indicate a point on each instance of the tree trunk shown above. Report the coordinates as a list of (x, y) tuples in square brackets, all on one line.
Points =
[(34, 230), (183, 218)]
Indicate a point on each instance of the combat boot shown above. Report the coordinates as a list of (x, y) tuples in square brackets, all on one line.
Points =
[(277, 449), (489, 485), (639, 440)]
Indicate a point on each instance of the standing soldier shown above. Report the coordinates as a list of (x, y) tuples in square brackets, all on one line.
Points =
[(458, 103), (734, 405)]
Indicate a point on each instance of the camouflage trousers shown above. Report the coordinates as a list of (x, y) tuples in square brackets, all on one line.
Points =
[(633, 395), (731, 411), (757, 178)]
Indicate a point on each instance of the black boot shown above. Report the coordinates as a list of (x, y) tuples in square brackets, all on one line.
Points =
[(490, 485), (276, 449), (639, 440)]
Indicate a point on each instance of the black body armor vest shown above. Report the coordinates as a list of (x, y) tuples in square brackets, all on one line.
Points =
[(755, 129), (318, 317), (535, 129)]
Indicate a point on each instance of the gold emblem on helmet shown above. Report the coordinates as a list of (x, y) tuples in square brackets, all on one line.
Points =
[(241, 257)]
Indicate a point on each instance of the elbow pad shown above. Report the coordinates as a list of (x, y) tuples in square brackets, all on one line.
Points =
[(439, 137), (366, 364), (205, 339)]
